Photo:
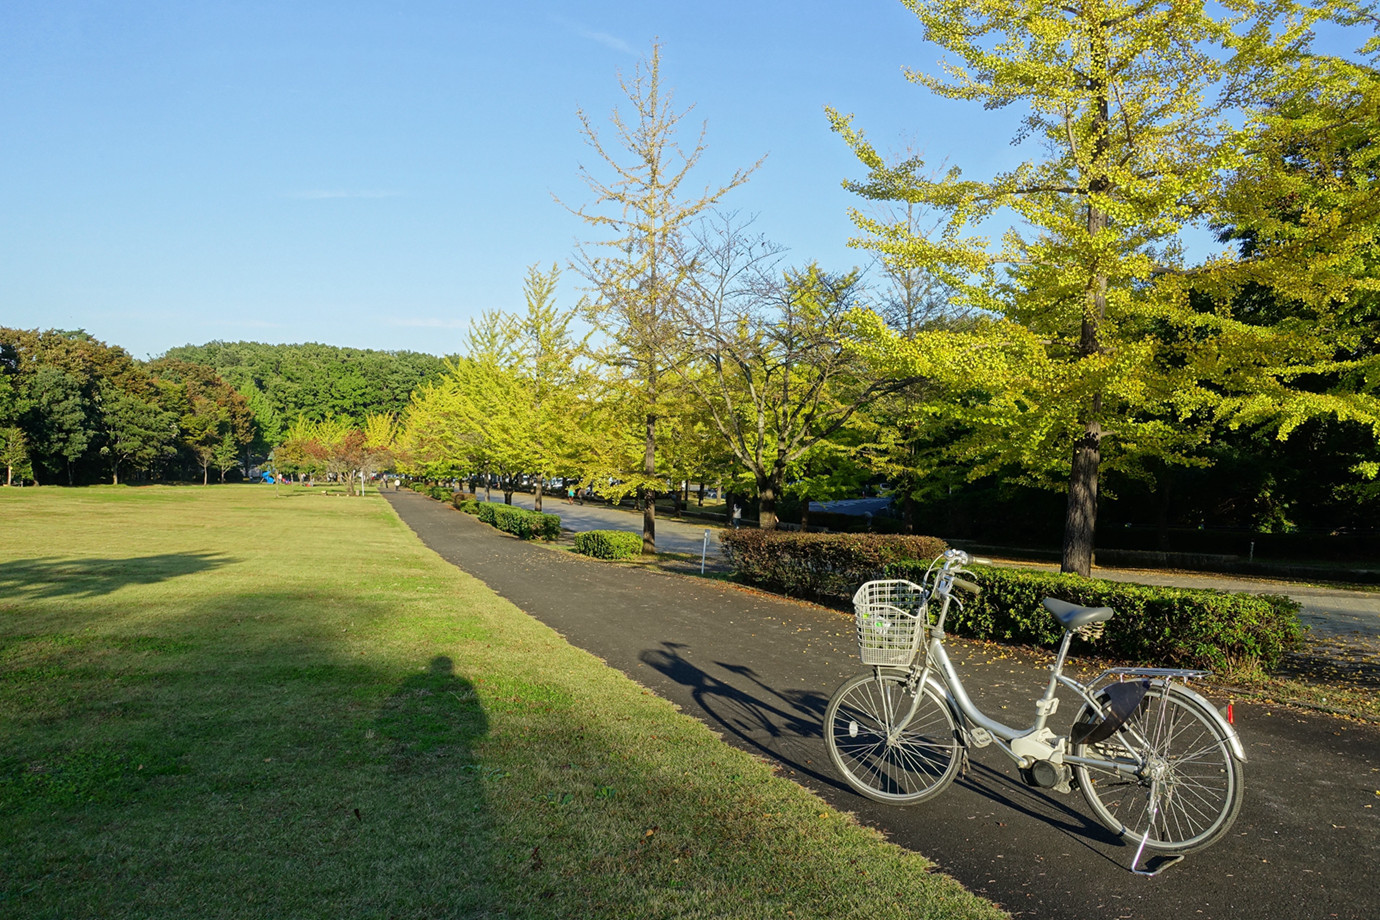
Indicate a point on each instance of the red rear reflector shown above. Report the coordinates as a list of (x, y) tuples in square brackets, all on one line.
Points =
[(1230, 719)]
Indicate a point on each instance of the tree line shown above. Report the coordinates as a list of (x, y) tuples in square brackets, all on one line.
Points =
[(75, 410), (1044, 328)]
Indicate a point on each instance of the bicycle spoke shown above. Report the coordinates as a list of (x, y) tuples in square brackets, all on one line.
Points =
[(876, 759), (1185, 754)]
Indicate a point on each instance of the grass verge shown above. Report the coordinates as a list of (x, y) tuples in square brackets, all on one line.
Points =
[(218, 703)]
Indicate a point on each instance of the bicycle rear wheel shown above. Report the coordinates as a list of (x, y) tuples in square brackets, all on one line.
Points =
[(895, 767), (1185, 755)]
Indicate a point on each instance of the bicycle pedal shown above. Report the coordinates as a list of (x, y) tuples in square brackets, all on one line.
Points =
[(979, 737)]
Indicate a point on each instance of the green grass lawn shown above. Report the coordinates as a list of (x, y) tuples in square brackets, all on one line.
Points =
[(215, 702)]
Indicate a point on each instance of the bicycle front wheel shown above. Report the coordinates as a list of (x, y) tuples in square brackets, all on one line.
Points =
[(879, 751), (1187, 786)]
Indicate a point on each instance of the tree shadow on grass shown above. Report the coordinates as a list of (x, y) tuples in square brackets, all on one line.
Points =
[(51, 576), (429, 726)]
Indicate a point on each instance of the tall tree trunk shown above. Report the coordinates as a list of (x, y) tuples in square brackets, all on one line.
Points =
[(1080, 521), (768, 487), (649, 496), (701, 494), (536, 494), (805, 512)]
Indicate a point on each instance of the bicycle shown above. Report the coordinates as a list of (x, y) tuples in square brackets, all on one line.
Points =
[(1156, 762)]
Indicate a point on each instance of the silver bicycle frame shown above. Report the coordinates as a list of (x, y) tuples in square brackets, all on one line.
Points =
[(1025, 746)]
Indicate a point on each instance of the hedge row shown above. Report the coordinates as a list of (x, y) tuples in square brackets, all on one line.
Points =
[(609, 544), (440, 493), (529, 525), (1239, 634), (1229, 633), (822, 566)]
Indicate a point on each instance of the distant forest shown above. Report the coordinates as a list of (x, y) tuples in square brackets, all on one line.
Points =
[(75, 410), (285, 382)]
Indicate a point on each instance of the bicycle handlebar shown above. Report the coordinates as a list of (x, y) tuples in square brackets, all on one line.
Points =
[(968, 586)]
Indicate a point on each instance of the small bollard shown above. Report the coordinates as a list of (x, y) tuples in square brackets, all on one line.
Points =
[(704, 551)]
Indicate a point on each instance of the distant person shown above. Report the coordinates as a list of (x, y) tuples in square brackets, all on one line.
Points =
[(570, 495), (737, 515)]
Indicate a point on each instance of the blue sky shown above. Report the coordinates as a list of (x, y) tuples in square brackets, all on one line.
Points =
[(375, 174)]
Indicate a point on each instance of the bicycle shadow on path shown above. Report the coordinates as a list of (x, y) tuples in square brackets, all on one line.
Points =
[(783, 725)]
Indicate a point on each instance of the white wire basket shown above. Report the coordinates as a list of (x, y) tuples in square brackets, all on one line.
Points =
[(891, 617)]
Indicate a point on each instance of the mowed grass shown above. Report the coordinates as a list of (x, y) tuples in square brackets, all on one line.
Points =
[(215, 702)]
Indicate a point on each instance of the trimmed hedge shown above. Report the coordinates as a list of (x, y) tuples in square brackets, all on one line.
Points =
[(823, 566), (440, 493), (529, 525), (1238, 634), (609, 544)]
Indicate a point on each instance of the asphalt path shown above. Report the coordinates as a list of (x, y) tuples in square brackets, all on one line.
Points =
[(760, 670), (1341, 614)]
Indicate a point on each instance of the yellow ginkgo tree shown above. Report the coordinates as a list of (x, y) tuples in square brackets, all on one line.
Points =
[(1106, 339)]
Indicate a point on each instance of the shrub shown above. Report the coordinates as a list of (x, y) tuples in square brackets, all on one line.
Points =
[(824, 566), (1229, 633), (467, 505), (529, 525), (609, 544), (440, 493)]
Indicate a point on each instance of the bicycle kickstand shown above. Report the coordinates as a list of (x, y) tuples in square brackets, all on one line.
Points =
[(1165, 862)]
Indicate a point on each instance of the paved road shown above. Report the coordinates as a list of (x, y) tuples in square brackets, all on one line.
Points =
[(672, 536), (760, 670), (1331, 613)]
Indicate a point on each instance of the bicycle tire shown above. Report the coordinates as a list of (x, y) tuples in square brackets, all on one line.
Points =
[(917, 765), (1201, 782)]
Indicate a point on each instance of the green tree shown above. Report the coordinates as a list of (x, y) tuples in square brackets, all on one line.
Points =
[(1141, 109), (283, 382), (638, 275), (14, 453), (136, 432), (548, 381), (1309, 192), (779, 373), (57, 420), (380, 436), (216, 420), (203, 432)]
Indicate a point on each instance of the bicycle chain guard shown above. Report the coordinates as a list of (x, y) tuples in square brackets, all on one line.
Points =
[(1117, 703)]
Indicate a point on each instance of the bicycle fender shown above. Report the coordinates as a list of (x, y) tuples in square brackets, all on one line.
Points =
[(1237, 749)]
